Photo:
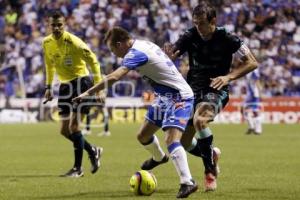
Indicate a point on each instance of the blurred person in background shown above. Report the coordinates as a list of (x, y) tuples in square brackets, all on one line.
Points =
[(90, 116), (258, 22), (252, 105)]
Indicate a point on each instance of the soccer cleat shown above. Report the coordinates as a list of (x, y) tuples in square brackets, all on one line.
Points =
[(95, 159), (104, 134), (185, 190), (86, 132), (257, 133), (249, 131), (210, 182), (73, 173), (150, 163)]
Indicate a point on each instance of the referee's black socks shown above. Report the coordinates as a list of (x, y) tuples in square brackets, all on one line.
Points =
[(87, 146), (78, 143)]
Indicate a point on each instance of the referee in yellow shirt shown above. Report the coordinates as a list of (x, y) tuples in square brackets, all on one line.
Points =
[(68, 57)]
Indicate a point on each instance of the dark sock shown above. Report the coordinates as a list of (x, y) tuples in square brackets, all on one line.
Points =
[(78, 143), (88, 122), (105, 119), (106, 126), (196, 151), (87, 146), (69, 138), (194, 148), (206, 148)]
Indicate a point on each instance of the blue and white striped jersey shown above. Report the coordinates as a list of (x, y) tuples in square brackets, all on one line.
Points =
[(157, 68), (252, 88)]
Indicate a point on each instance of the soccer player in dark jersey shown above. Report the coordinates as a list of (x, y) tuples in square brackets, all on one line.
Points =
[(68, 56), (210, 50)]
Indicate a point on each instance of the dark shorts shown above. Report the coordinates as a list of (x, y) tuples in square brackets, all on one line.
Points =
[(215, 98), (67, 91)]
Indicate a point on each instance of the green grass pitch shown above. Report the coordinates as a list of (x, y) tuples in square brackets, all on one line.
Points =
[(265, 167)]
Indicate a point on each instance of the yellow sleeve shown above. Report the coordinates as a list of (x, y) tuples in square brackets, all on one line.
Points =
[(91, 59), (50, 70)]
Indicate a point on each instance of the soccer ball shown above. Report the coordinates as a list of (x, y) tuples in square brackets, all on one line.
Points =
[(143, 183)]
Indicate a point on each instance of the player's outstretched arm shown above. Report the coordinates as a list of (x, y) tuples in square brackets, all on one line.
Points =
[(106, 82), (247, 64)]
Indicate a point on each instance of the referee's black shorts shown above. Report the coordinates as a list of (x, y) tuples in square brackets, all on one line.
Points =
[(67, 91)]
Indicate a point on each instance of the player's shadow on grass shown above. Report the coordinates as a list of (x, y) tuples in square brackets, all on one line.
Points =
[(257, 189), (21, 176), (102, 194), (91, 195)]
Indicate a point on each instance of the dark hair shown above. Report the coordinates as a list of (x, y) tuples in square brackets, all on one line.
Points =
[(116, 34), (204, 8), (55, 14)]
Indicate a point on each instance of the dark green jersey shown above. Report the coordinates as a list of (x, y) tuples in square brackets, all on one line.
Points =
[(207, 59)]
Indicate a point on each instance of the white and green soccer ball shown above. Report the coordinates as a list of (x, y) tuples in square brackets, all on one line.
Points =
[(143, 183)]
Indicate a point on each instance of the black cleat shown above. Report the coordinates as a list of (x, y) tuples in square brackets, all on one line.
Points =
[(150, 163), (95, 159), (249, 131), (185, 190), (73, 173)]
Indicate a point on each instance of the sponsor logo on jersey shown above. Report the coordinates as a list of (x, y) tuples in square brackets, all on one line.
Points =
[(68, 60)]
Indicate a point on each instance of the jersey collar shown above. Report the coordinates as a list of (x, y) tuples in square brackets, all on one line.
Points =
[(61, 38)]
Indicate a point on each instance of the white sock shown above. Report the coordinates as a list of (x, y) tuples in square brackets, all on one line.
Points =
[(179, 160), (155, 149), (258, 124), (250, 121)]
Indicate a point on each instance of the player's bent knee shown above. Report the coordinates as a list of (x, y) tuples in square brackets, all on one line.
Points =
[(200, 122), (139, 137), (142, 138), (168, 140)]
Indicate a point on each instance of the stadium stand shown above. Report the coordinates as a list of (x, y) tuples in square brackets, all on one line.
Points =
[(270, 28)]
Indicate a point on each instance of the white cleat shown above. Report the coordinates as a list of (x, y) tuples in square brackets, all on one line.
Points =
[(104, 134), (86, 132)]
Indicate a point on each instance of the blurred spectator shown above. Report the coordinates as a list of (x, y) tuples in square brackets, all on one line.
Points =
[(11, 16), (270, 28)]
